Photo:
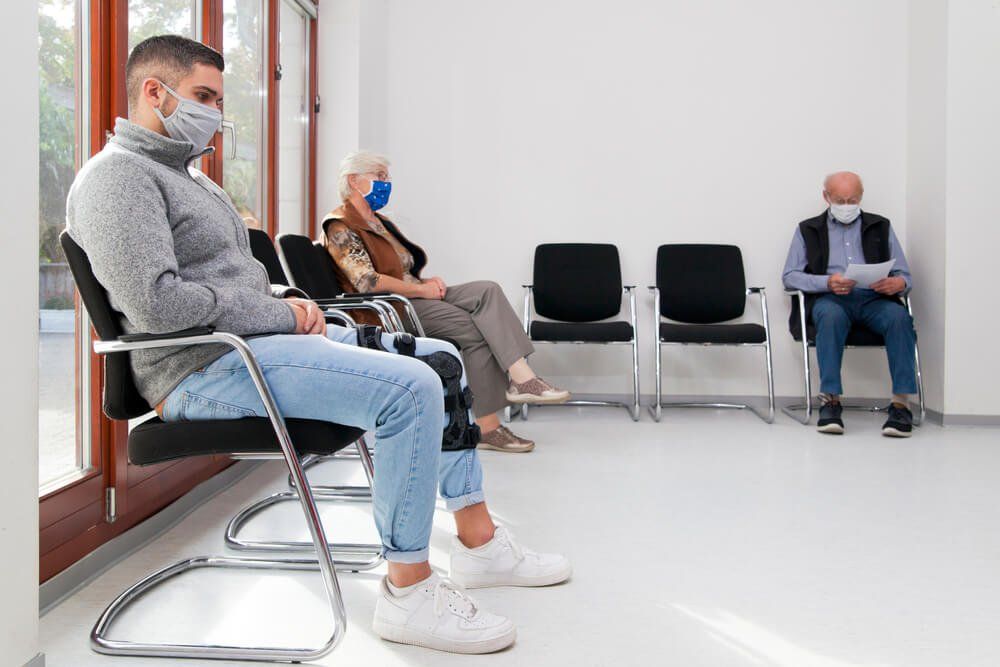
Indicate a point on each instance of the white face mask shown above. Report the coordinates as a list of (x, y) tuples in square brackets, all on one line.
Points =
[(190, 121), (845, 214)]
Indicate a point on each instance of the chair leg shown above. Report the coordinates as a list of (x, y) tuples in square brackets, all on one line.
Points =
[(920, 386), (770, 381), (807, 388), (636, 408), (657, 409)]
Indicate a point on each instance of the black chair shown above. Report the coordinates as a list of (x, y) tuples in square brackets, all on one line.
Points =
[(155, 441), (578, 287), (311, 269), (858, 337), (702, 288)]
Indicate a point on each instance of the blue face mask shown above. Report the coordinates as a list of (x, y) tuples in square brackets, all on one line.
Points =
[(379, 195)]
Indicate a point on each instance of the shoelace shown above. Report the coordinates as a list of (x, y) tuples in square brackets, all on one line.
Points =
[(515, 548), (446, 588)]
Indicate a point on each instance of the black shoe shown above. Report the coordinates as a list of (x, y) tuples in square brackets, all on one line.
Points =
[(899, 424), (829, 418)]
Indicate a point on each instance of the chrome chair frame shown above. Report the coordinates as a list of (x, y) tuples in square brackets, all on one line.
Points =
[(324, 560), (807, 404), (634, 409), (656, 409)]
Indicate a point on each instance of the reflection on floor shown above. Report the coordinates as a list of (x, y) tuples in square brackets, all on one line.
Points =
[(710, 539)]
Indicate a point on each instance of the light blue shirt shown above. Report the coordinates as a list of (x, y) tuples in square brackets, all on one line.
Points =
[(845, 248)]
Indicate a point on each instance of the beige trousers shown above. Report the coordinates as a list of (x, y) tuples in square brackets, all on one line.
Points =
[(478, 317)]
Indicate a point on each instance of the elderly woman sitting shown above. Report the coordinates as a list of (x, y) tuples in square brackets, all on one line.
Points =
[(372, 255)]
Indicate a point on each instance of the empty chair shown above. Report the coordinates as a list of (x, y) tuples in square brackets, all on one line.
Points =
[(578, 288), (700, 289), (156, 441)]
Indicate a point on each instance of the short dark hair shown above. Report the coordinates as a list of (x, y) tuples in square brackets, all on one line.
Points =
[(168, 58)]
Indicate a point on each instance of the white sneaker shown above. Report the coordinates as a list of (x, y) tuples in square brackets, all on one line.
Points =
[(502, 562), (439, 614)]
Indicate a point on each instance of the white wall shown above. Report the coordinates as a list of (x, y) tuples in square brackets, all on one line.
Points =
[(973, 175), (19, 389), (514, 123)]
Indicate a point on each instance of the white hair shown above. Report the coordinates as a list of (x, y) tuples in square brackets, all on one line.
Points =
[(360, 162)]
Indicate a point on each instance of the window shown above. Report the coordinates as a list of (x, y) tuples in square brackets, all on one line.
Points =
[(63, 408), (243, 47), (158, 17), (294, 111)]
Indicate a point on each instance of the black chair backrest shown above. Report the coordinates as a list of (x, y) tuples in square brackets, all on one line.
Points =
[(121, 397), (577, 282), (264, 252), (700, 283), (311, 268)]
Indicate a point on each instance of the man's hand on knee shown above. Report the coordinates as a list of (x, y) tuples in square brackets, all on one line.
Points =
[(308, 316)]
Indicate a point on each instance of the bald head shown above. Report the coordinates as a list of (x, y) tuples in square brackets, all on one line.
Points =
[(843, 187)]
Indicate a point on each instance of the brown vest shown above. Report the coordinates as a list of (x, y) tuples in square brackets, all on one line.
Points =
[(383, 256)]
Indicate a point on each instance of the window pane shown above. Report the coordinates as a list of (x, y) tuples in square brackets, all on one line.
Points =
[(63, 442), (243, 48), (293, 114), (162, 17)]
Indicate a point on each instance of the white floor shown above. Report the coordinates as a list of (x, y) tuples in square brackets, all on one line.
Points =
[(709, 539)]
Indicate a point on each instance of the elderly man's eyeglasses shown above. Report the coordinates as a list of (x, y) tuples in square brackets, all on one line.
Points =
[(380, 175)]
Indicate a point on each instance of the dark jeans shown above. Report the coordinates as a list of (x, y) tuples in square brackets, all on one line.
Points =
[(833, 316)]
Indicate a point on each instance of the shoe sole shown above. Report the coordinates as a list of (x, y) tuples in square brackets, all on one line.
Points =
[(535, 399), (489, 580), (891, 432), (835, 429), (404, 635), (508, 450)]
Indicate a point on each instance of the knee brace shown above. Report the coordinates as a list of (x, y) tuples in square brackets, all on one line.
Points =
[(460, 429)]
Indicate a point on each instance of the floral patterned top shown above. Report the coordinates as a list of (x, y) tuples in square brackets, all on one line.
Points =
[(348, 251)]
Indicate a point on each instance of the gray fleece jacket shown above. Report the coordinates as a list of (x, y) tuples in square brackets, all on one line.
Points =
[(172, 252)]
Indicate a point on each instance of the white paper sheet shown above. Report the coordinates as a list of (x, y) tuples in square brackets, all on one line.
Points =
[(866, 274)]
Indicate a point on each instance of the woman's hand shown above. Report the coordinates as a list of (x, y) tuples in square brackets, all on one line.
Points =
[(308, 316), (434, 288)]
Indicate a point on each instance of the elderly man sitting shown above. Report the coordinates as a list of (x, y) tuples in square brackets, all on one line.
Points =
[(821, 250)]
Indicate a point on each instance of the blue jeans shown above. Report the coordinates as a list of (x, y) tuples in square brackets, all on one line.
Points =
[(833, 316), (329, 378)]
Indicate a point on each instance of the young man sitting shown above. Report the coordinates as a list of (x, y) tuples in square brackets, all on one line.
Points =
[(173, 253)]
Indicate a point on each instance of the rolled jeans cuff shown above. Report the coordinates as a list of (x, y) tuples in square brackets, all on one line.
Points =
[(408, 557), (461, 502)]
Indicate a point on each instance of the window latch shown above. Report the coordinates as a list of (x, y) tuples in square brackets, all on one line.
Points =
[(316, 105), (277, 72)]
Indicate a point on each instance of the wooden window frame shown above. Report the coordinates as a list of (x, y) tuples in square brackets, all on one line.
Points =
[(72, 519)]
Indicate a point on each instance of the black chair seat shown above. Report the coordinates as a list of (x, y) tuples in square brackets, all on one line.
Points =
[(591, 332), (858, 336), (155, 441), (723, 334)]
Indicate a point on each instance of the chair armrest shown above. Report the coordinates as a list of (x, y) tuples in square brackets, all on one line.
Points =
[(527, 286), (755, 290), (284, 291), (795, 292), (628, 288), (364, 295), (184, 333)]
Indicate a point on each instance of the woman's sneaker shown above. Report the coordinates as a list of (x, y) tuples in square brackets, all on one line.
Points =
[(900, 422), (438, 614), (535, 390), (503, 562), (503, 440)]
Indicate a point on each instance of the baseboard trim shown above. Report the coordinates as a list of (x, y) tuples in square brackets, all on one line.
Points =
[(81, 573), (963, 420), (37, 661)]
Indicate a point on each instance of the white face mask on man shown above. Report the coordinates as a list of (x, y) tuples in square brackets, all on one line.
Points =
[(845, 214), (191, 121)]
